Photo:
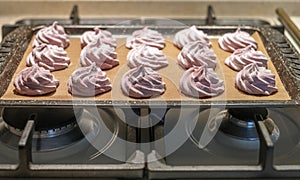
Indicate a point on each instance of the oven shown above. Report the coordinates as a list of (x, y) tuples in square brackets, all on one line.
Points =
[(162, 139)]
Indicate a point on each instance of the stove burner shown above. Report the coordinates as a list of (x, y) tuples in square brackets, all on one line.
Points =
[(55, 128), (45, 118), (45, 133), (239, 122)]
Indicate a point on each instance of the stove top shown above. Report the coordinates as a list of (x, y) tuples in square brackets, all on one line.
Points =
[(139, 143)]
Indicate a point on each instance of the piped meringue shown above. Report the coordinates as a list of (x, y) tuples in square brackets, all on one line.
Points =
[(195, 54), (189, 35), (50, 57), (147, 56), (256, 80), (237, 40), (88, 82), (103, 55), (105, 36), (145, 36), (142, 82), (242, 57), (35, 81), (201, 82), (54, 35)]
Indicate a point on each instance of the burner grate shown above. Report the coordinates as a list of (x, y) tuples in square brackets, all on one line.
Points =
[(44, 164), (74, 19), (267, 165)]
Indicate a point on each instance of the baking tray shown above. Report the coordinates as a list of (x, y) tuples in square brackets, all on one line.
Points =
[(20, 42)]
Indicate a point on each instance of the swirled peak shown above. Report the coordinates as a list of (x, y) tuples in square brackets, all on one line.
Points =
[(103, 55), (256, 80), (201, 82), (195, 54), (142, 82), (189, 35), (242, 57), (54, 35), (105, 36), (35, 80), (237, 40), (145, 36), (50, 57), (88, 81), (147, 56)]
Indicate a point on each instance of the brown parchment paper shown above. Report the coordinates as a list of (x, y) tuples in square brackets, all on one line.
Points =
[(171, 76)]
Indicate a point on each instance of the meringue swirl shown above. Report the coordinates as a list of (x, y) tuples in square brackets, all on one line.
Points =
[(189, 35), (54, 35), (195, 54), (256, 80), (103, 55), (201, 82), (147, 56), (142, 82), (88, 81), (35, 81), (237, 40), (105, 36), (50, 57), (242, 57), (145, 36)]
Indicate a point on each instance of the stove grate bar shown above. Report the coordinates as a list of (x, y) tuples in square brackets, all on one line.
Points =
[(25, 144), (211, 16), (289, 24), (75, 15)]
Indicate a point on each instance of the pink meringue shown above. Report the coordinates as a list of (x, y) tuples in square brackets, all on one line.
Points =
[(146, 36), (88, 81), (195, 54), (242, 57), (35, 81), (105, 36), (142, 82), (237, 40), (54, 35), (201, 82), (189, 35), (50, 57), (103, 55), (147, 56), (256, 80)]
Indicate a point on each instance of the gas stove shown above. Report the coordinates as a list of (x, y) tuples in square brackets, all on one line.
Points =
[(217, 142)]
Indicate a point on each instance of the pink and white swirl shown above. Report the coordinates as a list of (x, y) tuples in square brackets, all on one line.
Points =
[(88, 82), (103, 55), (147, 56), (201, 82), (242, 57), (142, 82), (195, 54), (189, 35), (256, 80), (145, 36), (34, 81), (54, 35), (237, 40), (50, 57), (105, 36)]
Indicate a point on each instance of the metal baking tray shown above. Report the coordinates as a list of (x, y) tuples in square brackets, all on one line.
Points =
[(284, 58)]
